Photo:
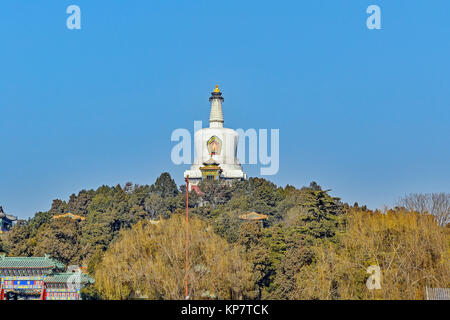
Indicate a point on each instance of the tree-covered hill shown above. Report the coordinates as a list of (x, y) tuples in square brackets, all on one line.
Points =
[(312, 246), (107, 210)]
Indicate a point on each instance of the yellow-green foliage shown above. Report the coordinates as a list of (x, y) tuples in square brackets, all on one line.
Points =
[(149, 261), (410, 248)]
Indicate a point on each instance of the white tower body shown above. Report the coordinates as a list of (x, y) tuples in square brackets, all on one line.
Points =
[(216, 115), (226, 142)]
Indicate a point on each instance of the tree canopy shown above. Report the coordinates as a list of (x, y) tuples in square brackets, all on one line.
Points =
[(311, 246), (149, 260)]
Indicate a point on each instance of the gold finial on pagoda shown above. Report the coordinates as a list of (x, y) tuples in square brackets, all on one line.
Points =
[(217, 88)]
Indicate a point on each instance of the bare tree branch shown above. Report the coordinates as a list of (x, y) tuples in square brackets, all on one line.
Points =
[(436, 204)]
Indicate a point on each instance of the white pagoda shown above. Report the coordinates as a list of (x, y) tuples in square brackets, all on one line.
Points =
[(215, 149)]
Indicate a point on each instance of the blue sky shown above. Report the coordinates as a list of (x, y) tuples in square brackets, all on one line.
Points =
[(363, 112)]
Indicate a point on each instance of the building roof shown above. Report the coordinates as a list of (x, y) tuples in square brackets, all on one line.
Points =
[(30, 262), (211, 162), (7, 216), (69, 215), (253, 216), (197, 190), (64, 277)]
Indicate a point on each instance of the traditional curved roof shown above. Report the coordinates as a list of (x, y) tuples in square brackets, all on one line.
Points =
[(7, 216), (211, 162), (44, 262), (69, 215), (253, 216), (64, 277)]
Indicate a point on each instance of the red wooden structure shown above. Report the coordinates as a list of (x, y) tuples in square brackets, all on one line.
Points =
[(43, 293)]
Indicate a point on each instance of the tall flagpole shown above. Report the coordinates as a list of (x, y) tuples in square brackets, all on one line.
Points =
[(187, 239)]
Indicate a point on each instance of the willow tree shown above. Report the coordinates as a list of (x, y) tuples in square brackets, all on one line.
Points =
[(149, 261), (411, 250)]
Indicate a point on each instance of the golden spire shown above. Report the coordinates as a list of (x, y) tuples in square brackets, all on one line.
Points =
[(217, 88)]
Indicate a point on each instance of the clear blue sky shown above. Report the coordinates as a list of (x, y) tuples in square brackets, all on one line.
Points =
[(365, 113)]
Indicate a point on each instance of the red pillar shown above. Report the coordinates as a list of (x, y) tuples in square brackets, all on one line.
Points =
[(43, 293), (187, 239), (2, 293)]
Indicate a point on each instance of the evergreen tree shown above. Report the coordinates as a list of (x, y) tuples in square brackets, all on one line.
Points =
[(164, 186), (251, 237)]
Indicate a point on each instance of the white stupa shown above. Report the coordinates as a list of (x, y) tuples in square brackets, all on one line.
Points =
[(215, 148)]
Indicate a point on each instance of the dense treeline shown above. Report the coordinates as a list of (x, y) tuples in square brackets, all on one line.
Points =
[(107, 210), (312, 246), (149, 262), (410, 248)]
